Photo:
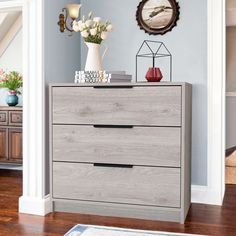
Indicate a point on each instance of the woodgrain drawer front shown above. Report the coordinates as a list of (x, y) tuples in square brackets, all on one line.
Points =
[(137, 185), (154, 105), (149, 146), (3, 117), (15, 118)]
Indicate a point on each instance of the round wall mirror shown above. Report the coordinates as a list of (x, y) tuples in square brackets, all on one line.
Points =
[(157, 16)]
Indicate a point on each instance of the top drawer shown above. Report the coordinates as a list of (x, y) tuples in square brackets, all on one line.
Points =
[(142, 105), (3, 117), (15, 118)]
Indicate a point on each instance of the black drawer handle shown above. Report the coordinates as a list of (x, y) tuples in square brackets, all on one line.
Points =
[(112, 165), (114, 87), (114, 126)]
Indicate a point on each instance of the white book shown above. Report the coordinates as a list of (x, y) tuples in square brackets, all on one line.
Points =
[(117, 76), (116, 72)]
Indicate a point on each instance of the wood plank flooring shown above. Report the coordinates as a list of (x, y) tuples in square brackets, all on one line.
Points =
[(202, 219)]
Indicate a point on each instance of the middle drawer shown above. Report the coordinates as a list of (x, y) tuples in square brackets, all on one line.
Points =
[(149, 146)]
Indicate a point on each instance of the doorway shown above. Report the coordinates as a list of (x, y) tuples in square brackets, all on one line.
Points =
[(11, 68), (230, 163), (33, 199), (11, 105)]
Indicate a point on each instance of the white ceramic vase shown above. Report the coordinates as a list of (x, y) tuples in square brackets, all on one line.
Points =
[(94, 59)]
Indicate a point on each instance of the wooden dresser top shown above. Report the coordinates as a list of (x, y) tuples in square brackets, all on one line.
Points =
[(120, 84), (7, 108)]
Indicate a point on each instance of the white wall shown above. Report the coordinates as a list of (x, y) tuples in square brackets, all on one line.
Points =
[(231, 60), (12, 60)]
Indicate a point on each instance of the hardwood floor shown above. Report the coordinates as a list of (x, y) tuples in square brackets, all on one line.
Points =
[(202, 219)]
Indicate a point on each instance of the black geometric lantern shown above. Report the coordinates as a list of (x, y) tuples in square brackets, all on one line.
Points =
[(151, 55)]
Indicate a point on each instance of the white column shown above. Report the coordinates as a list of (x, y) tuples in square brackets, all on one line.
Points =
[(216, 100), (33, 200)]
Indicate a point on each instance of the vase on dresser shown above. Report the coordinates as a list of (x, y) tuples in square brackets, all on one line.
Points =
[(94, 31), (12, 98), (154, 74), (94, 59)]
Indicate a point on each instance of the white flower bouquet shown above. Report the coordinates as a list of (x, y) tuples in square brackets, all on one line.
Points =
[(92, 29)]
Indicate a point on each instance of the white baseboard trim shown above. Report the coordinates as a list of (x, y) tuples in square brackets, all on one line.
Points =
[(38, 206), (35, 206), (205, 195)]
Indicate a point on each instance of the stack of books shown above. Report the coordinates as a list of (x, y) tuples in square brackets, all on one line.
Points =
[(102, 77), (119, 77)]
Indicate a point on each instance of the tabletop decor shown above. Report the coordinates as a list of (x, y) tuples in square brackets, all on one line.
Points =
[(102, 77), (154, 74), (157, 16), (153, 62), (94, 31), (13, 82)]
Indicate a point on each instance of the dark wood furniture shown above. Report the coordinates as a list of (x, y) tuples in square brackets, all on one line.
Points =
[(11, 135)]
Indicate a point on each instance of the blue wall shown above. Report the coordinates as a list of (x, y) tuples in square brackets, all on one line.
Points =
[(188, 45), (62, 58)]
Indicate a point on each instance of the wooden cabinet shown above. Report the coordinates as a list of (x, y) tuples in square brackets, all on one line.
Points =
[(11, 135), (119, 150), (15, 144), (3, 144)]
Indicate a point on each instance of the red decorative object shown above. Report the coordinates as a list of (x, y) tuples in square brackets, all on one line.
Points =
[(154, 74)]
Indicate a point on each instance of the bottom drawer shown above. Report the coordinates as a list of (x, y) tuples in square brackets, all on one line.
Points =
[(154, 186)]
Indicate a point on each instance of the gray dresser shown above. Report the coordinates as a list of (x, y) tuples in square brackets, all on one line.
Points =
[(121, 149)]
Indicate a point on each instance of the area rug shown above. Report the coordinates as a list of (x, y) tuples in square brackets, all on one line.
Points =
[(91, 230)]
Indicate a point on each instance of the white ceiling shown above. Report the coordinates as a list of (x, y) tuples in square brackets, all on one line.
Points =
[(7, 20), (10, 24)]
